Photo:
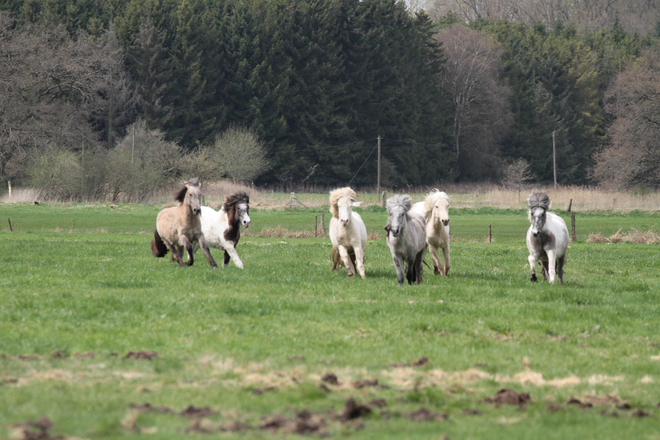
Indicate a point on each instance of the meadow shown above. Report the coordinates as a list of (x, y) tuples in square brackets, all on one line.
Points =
[(109, 342)]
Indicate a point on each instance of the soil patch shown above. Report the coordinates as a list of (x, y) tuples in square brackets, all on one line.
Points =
[(33, 430), (193, 411), (148, 355), (508, 397), (354, 410), (330, 378), (425, 415)]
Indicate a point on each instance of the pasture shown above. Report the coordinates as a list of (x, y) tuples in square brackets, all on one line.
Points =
[(80, 292)]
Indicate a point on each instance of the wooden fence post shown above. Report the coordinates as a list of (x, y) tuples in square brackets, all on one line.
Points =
[(573, 236), (569, 205), (10, 228), (316, 226), (323, 223), (490, 234)]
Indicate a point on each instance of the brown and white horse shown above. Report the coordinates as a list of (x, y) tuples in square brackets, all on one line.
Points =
[(222, 228), (180, 227)]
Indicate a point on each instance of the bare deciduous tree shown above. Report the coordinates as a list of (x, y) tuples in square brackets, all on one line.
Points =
[(632, 155), (473, 81), (516, 174), (239, 155)]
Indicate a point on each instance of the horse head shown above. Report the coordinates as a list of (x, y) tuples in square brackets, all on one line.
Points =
[(438, 204), (397, 209), (237, 207), (191, 195), (538, 203), (342, 201)]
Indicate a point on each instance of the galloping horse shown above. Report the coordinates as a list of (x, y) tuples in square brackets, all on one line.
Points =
[(547, 238), (179, 227), (406, 237), (435, 210), (222, 228), (348, 233)]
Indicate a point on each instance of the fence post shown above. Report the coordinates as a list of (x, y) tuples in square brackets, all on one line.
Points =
[(569, 205), (323, 222), (573, 236), (490, 234), (316, 225), (10, 228)]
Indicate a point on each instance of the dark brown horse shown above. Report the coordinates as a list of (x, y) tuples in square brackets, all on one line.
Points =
[(180, 227)]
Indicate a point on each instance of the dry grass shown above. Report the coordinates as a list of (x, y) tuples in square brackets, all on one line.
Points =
[(633, 236), (21, 195)]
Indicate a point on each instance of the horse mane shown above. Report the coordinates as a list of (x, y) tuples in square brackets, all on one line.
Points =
[(180, 195), (337, 194), (404, 201), (433, 197), (538, 199), (235, 199)]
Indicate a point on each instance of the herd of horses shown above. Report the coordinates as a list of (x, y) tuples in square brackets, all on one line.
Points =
[(411, 229)]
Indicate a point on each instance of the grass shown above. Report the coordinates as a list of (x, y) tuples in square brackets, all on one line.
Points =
[(93, 289)]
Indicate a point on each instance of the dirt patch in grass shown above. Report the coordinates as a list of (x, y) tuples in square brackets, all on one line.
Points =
[(146, 355), (508, 397), (425, 415), (33, 430)]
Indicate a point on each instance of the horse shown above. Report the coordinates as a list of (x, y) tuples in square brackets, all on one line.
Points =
[(435, 210), (348, 233), (406, 238), (547, 238), (179, 227), (222, 228)]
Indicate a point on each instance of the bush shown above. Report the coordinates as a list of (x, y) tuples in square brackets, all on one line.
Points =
[(57, 175)]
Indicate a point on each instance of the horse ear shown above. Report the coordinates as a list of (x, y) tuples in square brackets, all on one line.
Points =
[(356, 204)]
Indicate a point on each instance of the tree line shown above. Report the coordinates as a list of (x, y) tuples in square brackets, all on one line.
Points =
[(312, 83)]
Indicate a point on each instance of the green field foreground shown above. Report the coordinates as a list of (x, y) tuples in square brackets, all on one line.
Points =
[(249, 349)]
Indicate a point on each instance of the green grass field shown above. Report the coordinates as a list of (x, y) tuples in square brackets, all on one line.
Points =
[(80, 290)]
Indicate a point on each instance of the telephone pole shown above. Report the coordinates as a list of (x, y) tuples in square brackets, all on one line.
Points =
[(378, 179), (554, 159)]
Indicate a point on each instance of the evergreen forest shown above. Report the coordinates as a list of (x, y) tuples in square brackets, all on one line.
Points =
[(94, 93)]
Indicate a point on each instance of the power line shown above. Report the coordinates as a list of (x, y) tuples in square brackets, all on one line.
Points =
[(365, 161)]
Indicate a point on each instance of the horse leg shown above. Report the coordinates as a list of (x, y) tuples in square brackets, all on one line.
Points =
[(552, 265), (438, 267), (544, 265), (560, 268), (226, 258), (410, 270), (445, 254), (418, 265), (359, 260), (188, 245), (176, 252), (532, 267), (398, 265), (230, 251), (207, 251), (343, 252)]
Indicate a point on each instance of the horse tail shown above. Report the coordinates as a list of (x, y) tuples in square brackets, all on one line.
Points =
[(158, 248)]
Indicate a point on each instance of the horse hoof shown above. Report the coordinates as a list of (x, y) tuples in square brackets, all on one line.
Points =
[(351, 274), (533, 279)]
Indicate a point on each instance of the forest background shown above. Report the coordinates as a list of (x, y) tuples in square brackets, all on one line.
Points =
[(114, 99)]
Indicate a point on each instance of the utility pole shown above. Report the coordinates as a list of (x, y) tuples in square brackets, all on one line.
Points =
[(378, 179), (133, 149), (554, 158)]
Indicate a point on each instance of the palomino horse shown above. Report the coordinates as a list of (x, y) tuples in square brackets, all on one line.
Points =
[(435, 210), (179, 227), (348, 233), (406, 237), (547, 238), (222, 228)]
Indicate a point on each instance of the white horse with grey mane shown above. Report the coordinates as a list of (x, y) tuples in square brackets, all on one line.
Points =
[(435, 210), (547, 238), (348, 233), (406, 237)]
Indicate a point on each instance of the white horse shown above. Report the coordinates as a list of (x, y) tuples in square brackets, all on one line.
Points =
[(222, 228), (406, 237), (547, 238), (435, 210), (348, 233)]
